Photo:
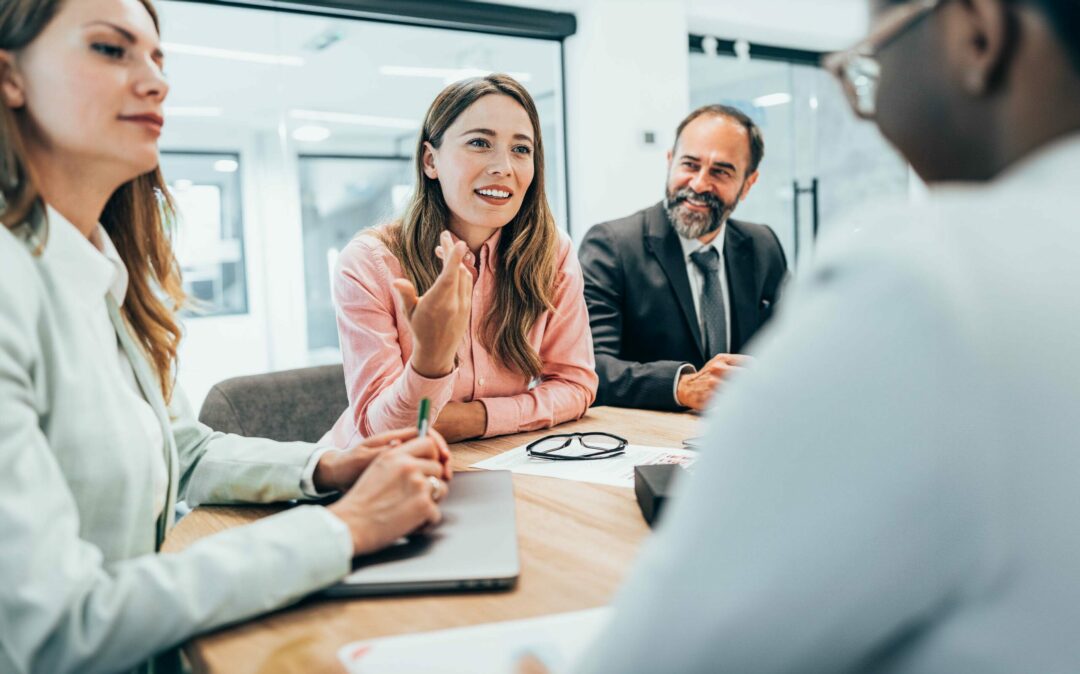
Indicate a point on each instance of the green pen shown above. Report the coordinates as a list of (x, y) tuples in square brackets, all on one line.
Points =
[(423, 421)]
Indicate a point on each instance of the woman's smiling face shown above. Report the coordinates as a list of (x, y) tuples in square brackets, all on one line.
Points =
[(485, 163)]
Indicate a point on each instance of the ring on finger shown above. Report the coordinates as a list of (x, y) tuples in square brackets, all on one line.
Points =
[(436, 488)]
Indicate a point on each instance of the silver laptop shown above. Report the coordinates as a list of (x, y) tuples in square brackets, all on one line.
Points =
[(473, 548)]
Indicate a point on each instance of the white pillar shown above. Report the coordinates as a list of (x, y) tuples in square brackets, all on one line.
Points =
[(626, 76)]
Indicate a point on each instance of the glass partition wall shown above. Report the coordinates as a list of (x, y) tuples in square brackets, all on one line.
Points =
[(820, 161), (286, 134)]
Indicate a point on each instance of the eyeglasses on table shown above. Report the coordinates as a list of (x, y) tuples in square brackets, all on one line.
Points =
[(569, 446)]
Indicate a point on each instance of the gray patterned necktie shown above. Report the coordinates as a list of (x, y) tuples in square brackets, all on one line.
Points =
[(712, 302)]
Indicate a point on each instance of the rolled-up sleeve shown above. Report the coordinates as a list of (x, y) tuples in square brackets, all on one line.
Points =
[(384, 389), (568, 380)]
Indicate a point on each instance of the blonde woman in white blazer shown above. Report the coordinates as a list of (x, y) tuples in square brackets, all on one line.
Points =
[(96, 445)]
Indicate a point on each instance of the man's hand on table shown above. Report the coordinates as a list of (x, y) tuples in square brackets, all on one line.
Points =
[(695, 389), (399, 479)]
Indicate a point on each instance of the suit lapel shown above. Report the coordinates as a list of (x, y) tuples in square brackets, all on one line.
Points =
[(739, 266), (663, 242)]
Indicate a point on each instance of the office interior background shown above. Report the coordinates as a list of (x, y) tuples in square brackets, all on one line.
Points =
[(291, 126)]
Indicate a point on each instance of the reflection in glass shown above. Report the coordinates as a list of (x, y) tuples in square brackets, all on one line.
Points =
[(339, 197), (810, 133), (209, 240)]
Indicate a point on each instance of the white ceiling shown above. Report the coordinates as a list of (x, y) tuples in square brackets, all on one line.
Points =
[(806, 24), (345, 78), (823, 25)]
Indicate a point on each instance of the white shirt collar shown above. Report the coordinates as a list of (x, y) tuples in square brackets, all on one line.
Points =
[(1049, 168), (92, 267), (1053, 163), (693, 245), (118, 287)]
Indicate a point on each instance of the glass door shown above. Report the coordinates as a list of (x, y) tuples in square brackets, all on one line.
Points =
[(820, 161)]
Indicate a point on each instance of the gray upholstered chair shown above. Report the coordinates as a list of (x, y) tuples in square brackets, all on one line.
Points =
[(290, 405)]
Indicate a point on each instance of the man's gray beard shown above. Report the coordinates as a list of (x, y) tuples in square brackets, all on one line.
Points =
[(691, 225)]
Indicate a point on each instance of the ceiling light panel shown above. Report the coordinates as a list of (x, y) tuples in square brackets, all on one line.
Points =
[(358, 120), (232, 54), (770, 100), (448, 75)]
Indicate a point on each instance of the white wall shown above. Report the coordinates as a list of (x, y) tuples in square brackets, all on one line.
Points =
[(626, 74)]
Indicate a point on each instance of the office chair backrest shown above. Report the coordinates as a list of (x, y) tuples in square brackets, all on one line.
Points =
[(290, 405)]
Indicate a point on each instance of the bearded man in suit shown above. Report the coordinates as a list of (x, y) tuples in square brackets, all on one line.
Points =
[(675, 291)]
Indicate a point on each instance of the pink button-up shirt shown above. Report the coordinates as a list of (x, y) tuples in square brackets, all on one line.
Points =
[(376, 343)]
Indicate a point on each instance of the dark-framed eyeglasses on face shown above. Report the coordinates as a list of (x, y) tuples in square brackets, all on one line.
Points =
[(858, 68), (577, 447)]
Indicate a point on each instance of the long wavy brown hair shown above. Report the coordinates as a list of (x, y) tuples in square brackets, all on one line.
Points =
[(525, 260), (138, 216)]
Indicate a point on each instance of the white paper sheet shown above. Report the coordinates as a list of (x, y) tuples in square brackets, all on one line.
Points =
[(617, 471), (555, 640)]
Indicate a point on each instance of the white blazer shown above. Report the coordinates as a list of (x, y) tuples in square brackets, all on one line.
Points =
[(81, 588), (894, 487)]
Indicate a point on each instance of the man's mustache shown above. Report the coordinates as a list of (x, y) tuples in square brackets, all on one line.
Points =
[(715, 203)]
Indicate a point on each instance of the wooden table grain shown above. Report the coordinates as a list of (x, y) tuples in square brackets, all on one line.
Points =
[(576, 543)]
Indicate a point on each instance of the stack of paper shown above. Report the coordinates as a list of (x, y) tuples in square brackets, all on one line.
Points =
[(556, 641)]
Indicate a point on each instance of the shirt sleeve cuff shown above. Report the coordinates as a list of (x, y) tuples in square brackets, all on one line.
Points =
[(684, 369), (438, 390), (503, 416), (307, 478), (341, 533)]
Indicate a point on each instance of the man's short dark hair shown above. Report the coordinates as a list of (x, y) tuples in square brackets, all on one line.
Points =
[(1064, 16), (757, 143)]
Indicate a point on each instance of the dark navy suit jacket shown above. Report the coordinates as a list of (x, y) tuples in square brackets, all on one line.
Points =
[(641, 309)]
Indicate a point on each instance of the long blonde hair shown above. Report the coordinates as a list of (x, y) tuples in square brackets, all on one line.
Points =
[(525, 269), (137, 217)]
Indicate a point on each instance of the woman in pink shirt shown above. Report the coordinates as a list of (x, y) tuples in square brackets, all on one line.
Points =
[(524, 356)]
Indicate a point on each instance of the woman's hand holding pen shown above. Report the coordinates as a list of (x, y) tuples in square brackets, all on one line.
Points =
[(398, 489), (440, 317), (337, 471)]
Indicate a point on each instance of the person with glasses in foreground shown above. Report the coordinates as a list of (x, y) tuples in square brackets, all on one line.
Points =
[(97, 444), (915, 509)]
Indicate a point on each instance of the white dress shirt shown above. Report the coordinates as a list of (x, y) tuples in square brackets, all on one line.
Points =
[(697, 278), (697, 286), (101, 330), (893, 488)]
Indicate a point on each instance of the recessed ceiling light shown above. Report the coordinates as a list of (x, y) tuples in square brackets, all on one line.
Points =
[(448, 75), (310, 133), (359, 120), (231, 54), (226, 166), (191, 111), (772, 99)]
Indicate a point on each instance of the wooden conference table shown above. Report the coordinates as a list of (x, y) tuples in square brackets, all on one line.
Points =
[(576, 542)]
